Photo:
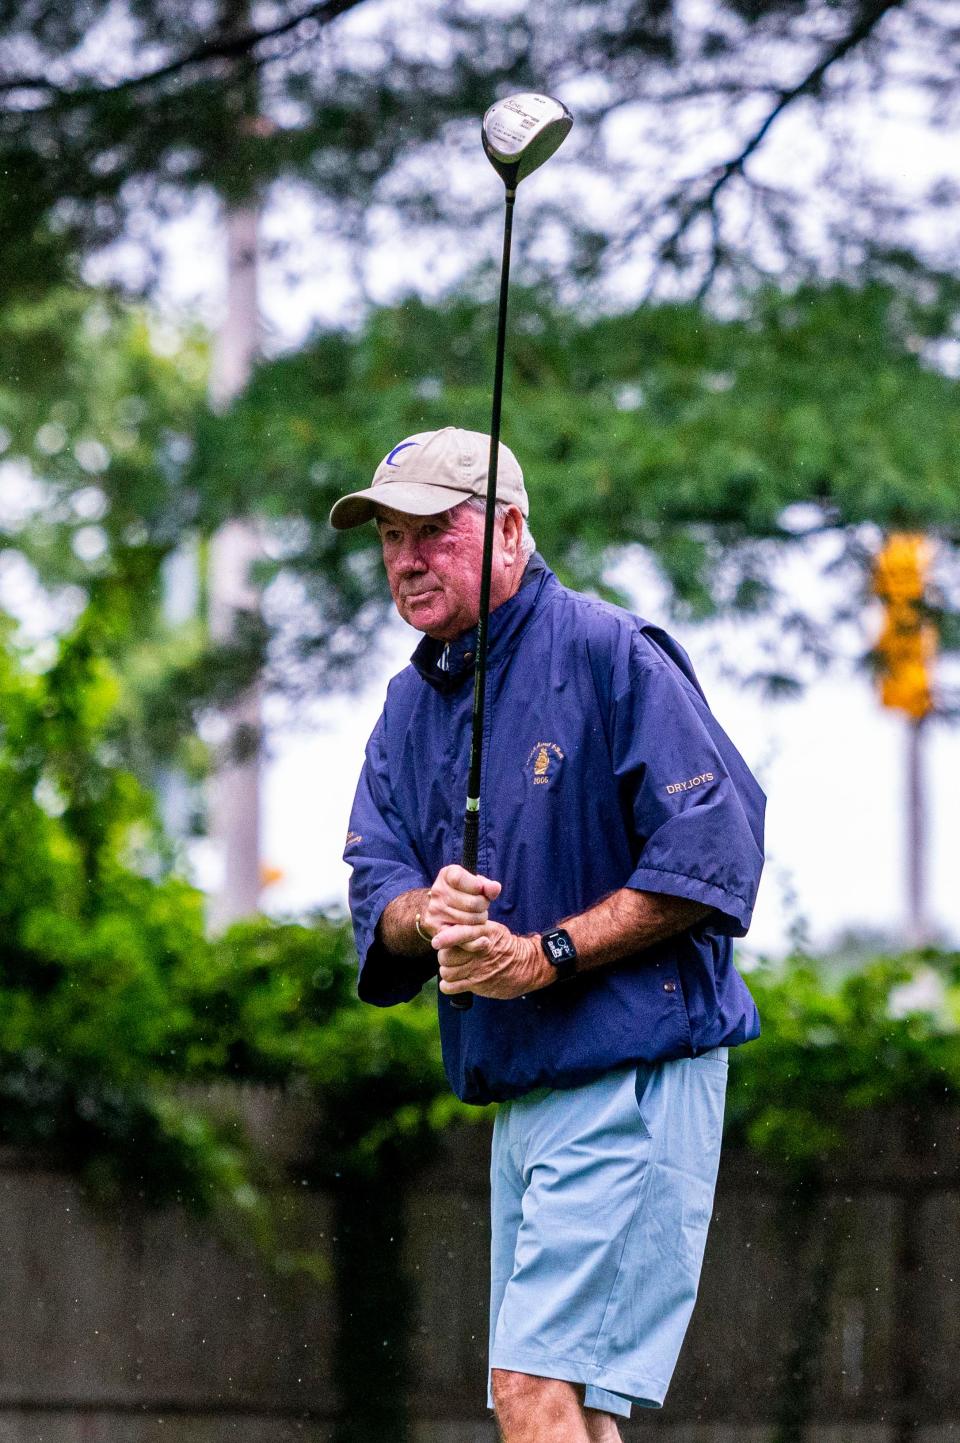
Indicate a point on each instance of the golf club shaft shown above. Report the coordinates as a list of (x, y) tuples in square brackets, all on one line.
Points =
[(471, 821)]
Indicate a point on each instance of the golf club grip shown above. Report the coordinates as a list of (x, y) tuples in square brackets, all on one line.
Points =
[(471, 842)]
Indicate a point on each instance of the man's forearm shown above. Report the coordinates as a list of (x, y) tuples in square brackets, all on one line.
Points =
[(627, 922), (398, 924), (498, 963)]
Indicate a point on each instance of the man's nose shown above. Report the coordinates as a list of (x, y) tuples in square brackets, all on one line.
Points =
[(409, 557)]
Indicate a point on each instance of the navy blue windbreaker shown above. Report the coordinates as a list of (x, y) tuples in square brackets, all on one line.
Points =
[(602, 768)]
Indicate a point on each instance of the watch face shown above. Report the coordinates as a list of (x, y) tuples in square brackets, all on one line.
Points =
[(559, 947)]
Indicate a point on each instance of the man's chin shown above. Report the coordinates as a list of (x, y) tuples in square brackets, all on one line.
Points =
[(425, 615), (437, 625)]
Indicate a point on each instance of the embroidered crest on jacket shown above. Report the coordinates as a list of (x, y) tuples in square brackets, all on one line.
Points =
[(543, 761)]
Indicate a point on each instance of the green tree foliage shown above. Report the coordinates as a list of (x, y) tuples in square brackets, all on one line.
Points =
[(114, 998), (101, 403), (869, 1040), (689, 120), (100, 406), (804, 426)]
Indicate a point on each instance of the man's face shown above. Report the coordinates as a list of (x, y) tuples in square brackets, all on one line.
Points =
[(433, 566)]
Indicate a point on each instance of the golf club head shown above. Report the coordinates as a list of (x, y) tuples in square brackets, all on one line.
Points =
[(521, 132)]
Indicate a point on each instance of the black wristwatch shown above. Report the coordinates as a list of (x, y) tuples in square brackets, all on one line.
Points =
[(560, 953)]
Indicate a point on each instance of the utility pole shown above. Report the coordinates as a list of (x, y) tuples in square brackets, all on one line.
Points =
[(234, 550), (918, 931), (234, 817), (906, 651)]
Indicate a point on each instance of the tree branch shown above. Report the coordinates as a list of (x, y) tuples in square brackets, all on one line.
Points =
[(810, 83), (225, 47)]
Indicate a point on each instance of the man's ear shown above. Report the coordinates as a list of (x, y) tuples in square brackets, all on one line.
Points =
[(512, 532)]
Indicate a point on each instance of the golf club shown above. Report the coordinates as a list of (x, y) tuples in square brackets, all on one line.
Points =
[(519, 134)]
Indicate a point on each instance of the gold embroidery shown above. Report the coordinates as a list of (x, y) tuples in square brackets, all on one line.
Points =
[(543, 759)]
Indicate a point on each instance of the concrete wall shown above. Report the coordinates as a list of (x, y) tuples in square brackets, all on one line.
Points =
[(831, 1318)]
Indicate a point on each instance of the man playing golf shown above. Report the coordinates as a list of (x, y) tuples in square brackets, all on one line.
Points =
[(619, 852)]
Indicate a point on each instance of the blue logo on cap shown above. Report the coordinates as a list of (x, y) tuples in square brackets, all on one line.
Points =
[(402, 447)]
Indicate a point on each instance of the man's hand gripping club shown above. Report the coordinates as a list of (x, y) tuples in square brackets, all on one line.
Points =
[(476, 954)]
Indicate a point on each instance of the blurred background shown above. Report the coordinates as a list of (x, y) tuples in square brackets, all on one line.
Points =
[(244, 249)]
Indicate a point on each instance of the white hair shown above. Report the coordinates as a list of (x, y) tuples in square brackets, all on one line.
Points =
[(527, 543)]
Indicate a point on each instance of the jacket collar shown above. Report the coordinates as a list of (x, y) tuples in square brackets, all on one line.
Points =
[(446, 664)]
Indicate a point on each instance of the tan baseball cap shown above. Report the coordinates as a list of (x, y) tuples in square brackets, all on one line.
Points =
[(430, 472)]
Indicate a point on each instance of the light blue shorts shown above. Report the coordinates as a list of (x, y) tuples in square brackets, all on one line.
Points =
[(601, 1198)]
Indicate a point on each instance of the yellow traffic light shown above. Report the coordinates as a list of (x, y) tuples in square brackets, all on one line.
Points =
[(907, 644)]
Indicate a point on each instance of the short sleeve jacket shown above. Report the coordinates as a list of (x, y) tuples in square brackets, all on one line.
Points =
[(603, 767)]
